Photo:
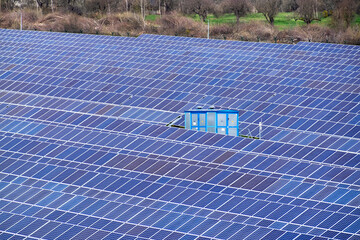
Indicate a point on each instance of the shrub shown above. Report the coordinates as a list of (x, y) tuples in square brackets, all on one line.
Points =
[(175, 24), (351, 36), (221, 30), (10, 20), (76, 23), (30, 16), (253, 31), (124, 24), (325, 14), (67, 23), (318, 33), (292, 35)]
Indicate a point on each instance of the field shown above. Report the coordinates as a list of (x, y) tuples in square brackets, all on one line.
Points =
[(283, 20)]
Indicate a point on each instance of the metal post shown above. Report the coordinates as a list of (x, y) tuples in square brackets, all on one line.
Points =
[(208, 35), (260, 129)]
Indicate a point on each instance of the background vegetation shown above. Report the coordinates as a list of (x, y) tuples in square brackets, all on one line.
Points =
[(283, 21)]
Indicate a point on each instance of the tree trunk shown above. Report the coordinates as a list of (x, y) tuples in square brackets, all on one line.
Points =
[(52, 6), (202, 15), (237, 19), (160, 7), (39, 5), (271, 20), (142, 8), (267, 18)]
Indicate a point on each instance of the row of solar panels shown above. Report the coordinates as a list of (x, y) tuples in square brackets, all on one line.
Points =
[(208, 42), (324, 69), (165, 44), (297, 91), (345, 55), (136, 45), (66, 111), (326, 116), (179, 146)]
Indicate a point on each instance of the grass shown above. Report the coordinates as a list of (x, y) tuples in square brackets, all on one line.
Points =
[(245, 136), (283, 20), (151, 17), (357, 19)]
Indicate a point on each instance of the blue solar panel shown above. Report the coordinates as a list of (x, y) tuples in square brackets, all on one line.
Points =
[(87, 147)]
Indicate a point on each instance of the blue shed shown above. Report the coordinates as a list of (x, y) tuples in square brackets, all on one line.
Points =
[(213, 120)]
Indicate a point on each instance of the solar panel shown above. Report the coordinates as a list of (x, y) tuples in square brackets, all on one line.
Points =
[(87, 150)]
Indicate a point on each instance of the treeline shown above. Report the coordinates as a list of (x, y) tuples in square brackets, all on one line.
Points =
[(127, 18), (342, 11)]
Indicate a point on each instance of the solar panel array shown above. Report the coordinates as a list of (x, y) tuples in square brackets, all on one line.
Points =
[(87, 151)]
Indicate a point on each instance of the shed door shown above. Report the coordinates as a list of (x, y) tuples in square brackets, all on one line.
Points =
[(232, 120)]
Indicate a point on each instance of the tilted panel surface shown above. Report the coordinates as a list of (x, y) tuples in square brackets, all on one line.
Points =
[(86, 153)]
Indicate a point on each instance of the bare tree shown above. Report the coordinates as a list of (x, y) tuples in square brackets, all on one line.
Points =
[(143, 6), (329, 5), (52, 6), (239, 7), (269, 8), (42, 4), (169, 5), (8, 4), (289, 5), (307, 10), (103, 6), (200, 7), (345, 12)]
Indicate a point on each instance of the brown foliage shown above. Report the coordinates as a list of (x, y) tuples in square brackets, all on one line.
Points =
[(221, 31), (174, 24), (30, 16), (254, 31), (12, 19), (350, 36), (317, 33), (67, 23), (292, 35), (127, 24)]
